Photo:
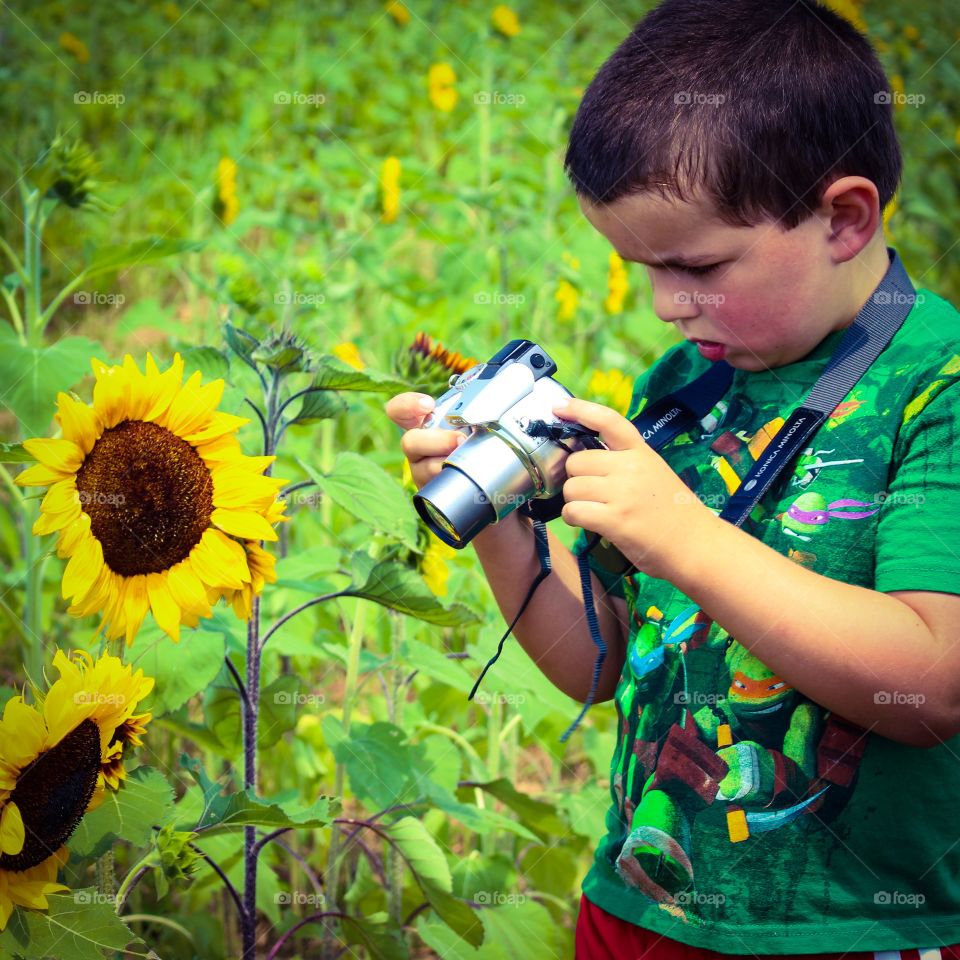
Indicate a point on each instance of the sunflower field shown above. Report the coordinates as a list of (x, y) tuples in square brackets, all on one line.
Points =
[(235, 663)]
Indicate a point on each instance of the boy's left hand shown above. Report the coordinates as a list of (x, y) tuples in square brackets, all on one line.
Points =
[(627, 493)]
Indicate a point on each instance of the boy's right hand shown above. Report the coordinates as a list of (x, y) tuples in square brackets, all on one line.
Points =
[(424, 449)]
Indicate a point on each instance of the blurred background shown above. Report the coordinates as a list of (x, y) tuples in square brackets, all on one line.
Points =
[(384, 182)]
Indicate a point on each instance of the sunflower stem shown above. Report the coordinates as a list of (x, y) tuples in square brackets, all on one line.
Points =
[(248, 915), (353, 671)]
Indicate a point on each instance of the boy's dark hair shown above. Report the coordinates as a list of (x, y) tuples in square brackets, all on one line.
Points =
[(759, 102)]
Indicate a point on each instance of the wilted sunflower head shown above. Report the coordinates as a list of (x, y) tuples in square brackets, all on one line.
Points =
[(428, 366), (56, 759), (151, 498)]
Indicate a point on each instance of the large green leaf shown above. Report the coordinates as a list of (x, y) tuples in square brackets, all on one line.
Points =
[(369, 493), (181, 669), (539, 816), (280, 702), (14, 453), (421, 852), (401, 588), (31, 377), (144, 799), (110, 259), (331, 373), (223, 813), (79, 925)]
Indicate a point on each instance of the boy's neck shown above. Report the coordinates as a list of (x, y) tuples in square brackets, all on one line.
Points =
[(864, 274)]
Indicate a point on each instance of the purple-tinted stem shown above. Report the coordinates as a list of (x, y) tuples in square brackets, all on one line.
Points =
[(313, 918), (250, 851)]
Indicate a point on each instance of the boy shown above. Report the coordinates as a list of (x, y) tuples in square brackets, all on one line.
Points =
[(788, 693)]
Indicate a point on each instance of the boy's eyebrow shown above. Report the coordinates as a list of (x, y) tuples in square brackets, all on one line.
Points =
[(674, 261)]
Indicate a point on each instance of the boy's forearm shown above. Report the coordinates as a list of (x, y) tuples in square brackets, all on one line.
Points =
[(864, 655), (553, 629)]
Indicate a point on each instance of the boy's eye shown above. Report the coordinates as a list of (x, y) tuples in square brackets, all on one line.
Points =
[(702, 270)]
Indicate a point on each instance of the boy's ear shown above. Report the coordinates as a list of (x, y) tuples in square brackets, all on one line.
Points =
[(850, 206)]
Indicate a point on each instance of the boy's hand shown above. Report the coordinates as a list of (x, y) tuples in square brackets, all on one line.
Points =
[(424, 449), (627, 493)]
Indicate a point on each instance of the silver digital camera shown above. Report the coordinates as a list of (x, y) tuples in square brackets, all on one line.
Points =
[(514, 452)]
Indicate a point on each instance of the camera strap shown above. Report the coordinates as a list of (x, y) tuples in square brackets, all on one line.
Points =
[(865, 339)]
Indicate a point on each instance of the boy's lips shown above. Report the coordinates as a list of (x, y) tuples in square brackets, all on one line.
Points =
[(710, 349)]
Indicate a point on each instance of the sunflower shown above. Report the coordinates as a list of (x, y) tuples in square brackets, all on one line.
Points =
[(56, 761), (151, 498)]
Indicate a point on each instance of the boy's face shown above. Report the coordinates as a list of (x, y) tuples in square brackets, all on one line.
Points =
[(757, 297)]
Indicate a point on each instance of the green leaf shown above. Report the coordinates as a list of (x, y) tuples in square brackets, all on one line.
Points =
[(149, 250), (33, 376), (400, 588), (213, 364), (370, 494), (240, 342), (421, 852), (279, 704), (144, 799), (319, 405), (78, 926), (332, 373), (181, 669), (539, 816), (14, 453), (225, 813), (383, 939)]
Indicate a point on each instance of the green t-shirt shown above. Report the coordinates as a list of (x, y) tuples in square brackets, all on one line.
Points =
[(746, 818)]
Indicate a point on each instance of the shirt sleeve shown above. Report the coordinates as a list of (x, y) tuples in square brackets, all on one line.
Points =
[(918, 533)]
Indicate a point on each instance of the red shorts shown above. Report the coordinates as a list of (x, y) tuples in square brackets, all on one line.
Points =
[(601, 936)]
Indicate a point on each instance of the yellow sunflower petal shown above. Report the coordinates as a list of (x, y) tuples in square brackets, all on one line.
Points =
[(110, 393), (83, 568), (24, 733), (62, 497), (163, 386), (136, 602), (165, 609), (33, 893), (220, 424), (12, 833), (243, 523), (220, 561), (225, 448), (62, 455), (71, 535), (77, 421), (39, 476), (188, 591), (193, 407)]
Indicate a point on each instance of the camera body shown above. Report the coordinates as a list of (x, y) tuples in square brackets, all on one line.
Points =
[(503, 463)]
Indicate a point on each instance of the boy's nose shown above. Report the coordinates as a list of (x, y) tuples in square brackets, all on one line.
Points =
[(672, 300)]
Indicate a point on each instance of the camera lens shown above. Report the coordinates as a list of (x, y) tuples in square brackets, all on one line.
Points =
[(438, 520)]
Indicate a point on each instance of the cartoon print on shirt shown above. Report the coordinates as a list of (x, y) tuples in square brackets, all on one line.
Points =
[(765, 755), (810, 512)]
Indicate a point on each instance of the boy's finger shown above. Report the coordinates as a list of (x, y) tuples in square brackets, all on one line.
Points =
[(409, 410), (418, 444), (616, 432)]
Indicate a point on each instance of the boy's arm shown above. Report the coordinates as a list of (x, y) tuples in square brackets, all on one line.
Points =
[(890, 663), (553, 629)]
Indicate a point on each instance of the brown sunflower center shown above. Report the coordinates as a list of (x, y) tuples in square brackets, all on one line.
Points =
[(52, 794), (149, 496)]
